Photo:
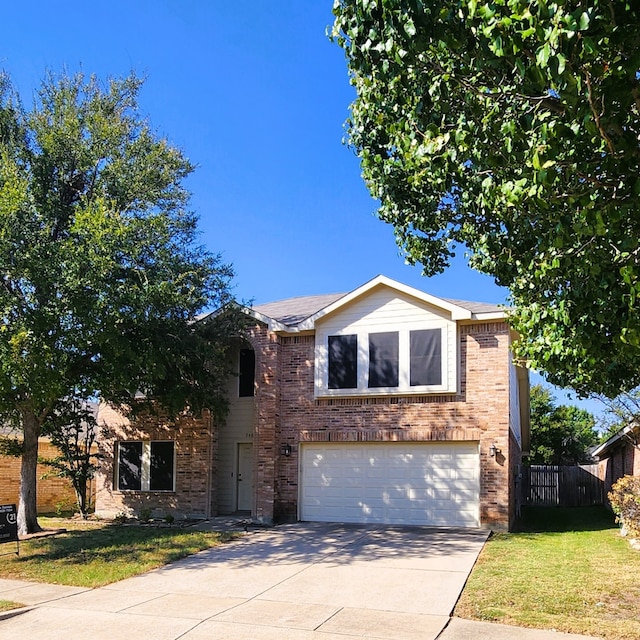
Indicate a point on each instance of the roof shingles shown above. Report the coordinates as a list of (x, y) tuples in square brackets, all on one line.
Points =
[(293, 311)]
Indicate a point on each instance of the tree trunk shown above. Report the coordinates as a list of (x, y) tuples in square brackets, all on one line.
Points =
[(27, 508), (80, 487)]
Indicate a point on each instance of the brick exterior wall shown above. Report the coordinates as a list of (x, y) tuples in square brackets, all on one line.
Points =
[(194, 448), (479, 412), (287, 412), (268, 382), (624, 460), (52, 493)]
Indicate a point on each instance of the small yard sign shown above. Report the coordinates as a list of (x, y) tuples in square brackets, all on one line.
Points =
[(9, 524)]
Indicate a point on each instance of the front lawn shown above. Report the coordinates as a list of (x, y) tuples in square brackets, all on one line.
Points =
[(92, 554), (566, 569)]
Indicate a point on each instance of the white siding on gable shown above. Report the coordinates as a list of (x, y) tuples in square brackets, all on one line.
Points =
[(383, 310), (514, 402)]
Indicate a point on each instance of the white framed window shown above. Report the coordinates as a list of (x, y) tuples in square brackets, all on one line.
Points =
[(414, 359), (145, 465)]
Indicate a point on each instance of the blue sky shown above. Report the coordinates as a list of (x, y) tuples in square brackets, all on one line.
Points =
[(255, 95)]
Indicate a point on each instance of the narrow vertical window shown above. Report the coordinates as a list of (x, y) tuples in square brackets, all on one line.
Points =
[(343, 362), (426, 357), (247, 373), (383, 359), (161, 471), (130, 466)]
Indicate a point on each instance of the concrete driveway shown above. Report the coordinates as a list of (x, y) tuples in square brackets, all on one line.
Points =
[(301, 582)]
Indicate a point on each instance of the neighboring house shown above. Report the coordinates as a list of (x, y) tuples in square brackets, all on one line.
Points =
[(54, 494), (382, 405), (619, 456)]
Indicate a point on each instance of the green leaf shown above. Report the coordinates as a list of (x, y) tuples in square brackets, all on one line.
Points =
[(410, 28), (583, 22), (542, 56)]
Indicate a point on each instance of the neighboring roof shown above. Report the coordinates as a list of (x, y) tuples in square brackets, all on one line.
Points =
[(6, 430), (603, 450), (14, 431), (300, 314)]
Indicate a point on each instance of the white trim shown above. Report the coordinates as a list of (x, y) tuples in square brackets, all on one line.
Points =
[(145, 461), (613, 439), (489, 315)]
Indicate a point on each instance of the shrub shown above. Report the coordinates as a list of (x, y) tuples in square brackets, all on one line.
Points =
[(625, 502), (144, 515)]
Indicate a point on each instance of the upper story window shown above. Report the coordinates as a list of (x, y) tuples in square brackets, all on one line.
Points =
[(343, 362), (383, 359), (246, 373), (364, 363), (425, 349)]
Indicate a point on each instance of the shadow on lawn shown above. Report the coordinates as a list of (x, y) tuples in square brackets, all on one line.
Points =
[(111, 543), (559, 519)]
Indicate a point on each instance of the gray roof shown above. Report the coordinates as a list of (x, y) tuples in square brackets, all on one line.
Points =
[(7, 430), (476, 307), (293, 311)]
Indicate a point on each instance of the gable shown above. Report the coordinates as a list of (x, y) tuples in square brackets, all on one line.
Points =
[(394, 324)]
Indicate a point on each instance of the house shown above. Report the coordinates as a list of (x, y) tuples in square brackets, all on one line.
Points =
[(382, 405), (619, 456), (54, 494)]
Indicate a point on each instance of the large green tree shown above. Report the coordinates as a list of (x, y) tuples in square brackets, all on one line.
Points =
[(511, 128), (101, 274), (560, 434)]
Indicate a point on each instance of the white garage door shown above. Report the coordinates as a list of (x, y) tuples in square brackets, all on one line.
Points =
[(392, 483)]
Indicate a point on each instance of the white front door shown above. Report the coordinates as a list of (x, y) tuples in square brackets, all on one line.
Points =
[(244, 476)]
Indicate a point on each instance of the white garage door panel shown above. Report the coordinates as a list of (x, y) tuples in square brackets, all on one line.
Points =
[(391, 483)]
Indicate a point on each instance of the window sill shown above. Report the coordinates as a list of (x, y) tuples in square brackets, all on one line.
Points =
[(143, 491), (383, 392)]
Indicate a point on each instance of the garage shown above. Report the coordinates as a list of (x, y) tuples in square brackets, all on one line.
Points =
[(419, 483)]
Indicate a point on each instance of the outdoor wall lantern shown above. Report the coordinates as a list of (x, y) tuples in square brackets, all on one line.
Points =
[(285, 449), (493, 450)]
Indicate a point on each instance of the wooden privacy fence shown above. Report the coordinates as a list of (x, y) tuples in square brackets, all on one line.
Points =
[(551, 485)]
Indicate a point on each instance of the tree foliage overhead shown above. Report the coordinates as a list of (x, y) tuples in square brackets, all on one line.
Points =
[(101, 274), (560, 434), (512, 128)]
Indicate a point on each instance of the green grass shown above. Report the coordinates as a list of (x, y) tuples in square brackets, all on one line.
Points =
[(564, 569), (92, 554), (7, 605)]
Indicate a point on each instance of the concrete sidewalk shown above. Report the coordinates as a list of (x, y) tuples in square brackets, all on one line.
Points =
[(300, 582)]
